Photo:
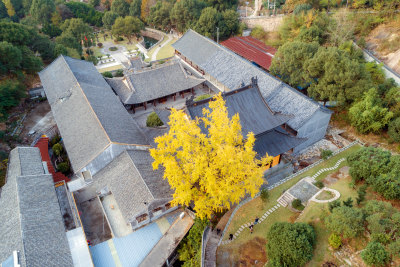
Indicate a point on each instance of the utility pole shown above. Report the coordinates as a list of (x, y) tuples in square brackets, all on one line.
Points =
[(217, 35)]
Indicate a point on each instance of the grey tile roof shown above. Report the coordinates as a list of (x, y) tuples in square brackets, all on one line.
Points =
[(30, 217), (275, 142), (233, 71), (140, 87), (255, 115), (88, 114), (133, 182), (163, 114)]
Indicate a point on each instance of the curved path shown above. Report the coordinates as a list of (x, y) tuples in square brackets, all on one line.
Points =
[(154, 56), (335, 192)]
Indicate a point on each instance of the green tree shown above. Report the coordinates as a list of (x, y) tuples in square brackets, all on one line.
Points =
[(290, 244), (57, 149), (345, 221), (289, 61), (208, 22), (69, 41), (77, 27), (94, 3), (42, 10), (10, 57), (229, 24), (185, 14), (189, 249), (109, 19), (153, 120), (368, 163), (134, 8), (128, 27), (30, 63), (121, 7), (394, 129), (159, 15), (369, 115), (375, 254), (60, 50), (222, 5), (11, 92), (337, 77)]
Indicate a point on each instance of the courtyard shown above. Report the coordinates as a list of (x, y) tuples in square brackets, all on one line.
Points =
[(249, 248)]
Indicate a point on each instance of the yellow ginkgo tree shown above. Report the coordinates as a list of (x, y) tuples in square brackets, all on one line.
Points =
[(212, 168)]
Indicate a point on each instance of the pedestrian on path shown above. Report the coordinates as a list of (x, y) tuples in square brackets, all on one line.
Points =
[(251, 228), (256, 220), (230, 236)]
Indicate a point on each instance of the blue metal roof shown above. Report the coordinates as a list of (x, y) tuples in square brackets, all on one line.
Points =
[(101, 255), (9, 262), (132, 249)]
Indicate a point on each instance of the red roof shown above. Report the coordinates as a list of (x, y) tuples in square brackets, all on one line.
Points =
[(43, 145), (251, 49)]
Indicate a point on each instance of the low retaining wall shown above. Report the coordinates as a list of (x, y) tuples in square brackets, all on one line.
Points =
[(151, 33), (204, 239)]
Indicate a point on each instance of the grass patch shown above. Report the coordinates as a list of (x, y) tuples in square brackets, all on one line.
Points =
[(167, 50), (97, 52), (112, 68), (325, 195)]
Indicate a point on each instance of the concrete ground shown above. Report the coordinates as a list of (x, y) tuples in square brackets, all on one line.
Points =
[(117, 222), (94, 221)]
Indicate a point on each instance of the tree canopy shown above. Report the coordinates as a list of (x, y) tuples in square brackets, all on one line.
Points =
[(121, 7), (41, 10), (211, 170), (128, 27), (290, 244), (369, 115), (109, 18), (345, 221)]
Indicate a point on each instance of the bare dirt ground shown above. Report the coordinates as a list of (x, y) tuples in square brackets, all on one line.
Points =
[(39, 119), (384, 40)]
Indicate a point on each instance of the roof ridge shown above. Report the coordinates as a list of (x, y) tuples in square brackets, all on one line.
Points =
[(134, 165), (253, 66)]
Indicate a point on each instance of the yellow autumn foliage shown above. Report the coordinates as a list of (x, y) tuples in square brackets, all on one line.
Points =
[(211, 170)]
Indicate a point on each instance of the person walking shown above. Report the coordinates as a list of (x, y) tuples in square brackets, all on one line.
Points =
[(230, 236), (251, 228), (256, 220)]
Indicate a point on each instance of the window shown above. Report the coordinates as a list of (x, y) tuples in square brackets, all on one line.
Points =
[(142, 218)]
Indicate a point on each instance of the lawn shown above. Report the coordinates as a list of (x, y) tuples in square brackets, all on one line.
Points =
[(166, 51), (124, 43), (116, 67), (256, 208)]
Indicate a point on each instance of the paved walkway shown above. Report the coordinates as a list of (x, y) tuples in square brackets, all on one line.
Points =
[(328, 169), (333, 191), (154, 56), (246, 225)]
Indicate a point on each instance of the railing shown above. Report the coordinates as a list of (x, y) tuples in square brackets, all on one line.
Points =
[(290, 177), (50, 133), (204, 239)]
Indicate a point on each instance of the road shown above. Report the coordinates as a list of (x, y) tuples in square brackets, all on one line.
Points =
[(154, 56)]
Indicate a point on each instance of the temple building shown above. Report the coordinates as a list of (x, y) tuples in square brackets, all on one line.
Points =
[(228, 71), (139, 88), (257, 117)]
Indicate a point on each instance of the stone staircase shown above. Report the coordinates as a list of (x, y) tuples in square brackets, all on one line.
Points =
[(211, 250), (285, 199)]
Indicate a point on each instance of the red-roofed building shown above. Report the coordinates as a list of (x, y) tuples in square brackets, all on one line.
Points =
[(251, 49)]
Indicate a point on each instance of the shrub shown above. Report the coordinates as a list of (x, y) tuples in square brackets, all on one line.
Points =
[(119, 73), (394, 129), (394, 248), (345, 221), (202, 97), (290, 244), (348, 202), (100, 45), (153, 120), (334, 204), (301, 8), (297, 204), (362, 191), (107, 74), (264, 195), (380, 238), (319, 184), (55, 140), (361, 42), (113, 48), (57, 149), (335, 241), (325, 154), (368, 163), (63, 167), (375, 254)]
